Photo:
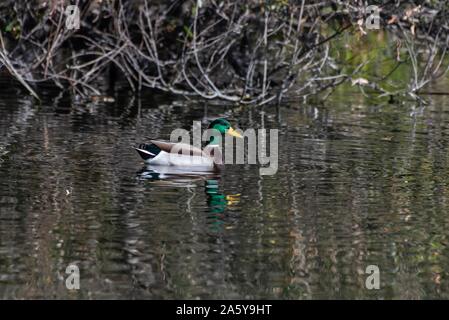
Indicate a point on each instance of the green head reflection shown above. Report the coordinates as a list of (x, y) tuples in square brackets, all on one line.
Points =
[(217, 203)]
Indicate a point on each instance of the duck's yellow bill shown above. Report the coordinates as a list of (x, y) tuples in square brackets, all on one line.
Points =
[(234, 133), (232, 199)]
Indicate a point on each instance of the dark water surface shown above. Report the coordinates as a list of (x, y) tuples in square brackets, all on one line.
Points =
[(357, 184)]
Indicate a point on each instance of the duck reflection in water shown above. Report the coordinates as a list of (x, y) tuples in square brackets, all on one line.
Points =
[(217, 201)]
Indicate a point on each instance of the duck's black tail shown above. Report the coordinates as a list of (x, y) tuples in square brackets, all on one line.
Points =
[(147, 150)]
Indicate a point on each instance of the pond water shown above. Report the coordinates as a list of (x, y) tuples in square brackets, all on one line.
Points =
[(358, 184)]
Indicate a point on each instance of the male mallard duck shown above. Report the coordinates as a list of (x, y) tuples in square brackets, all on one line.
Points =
[(187, 156)]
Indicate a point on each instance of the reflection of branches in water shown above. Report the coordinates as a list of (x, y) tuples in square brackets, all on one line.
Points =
[(250, 53), (18, 125)]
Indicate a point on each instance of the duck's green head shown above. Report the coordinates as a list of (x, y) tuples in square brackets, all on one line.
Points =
[(223, 126)]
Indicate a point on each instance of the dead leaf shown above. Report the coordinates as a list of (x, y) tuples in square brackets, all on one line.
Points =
[(360, 24), (393, 19), (360, 82), (437, 278)]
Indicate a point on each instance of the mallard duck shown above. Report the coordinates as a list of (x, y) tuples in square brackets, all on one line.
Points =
[(186, 156)]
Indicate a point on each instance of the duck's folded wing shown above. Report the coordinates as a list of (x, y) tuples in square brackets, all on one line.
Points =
[(180, 148)]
